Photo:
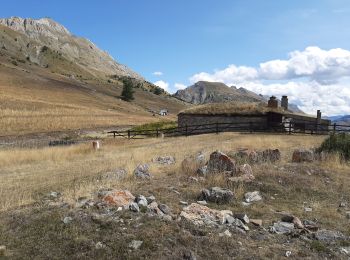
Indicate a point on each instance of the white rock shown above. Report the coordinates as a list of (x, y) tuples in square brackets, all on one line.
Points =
[(135, 244), (67, 220), (252, 196)]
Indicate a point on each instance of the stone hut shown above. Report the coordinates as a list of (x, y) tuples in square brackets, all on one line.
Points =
[(249, 117)]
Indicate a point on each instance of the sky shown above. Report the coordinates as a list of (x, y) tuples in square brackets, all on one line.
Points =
[(298, 48)]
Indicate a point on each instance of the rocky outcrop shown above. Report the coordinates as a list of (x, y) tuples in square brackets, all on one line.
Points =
[(35, 37), (221, 163), (217, 195)]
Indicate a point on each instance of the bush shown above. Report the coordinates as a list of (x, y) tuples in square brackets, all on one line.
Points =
[(337, 143), (128, 92)]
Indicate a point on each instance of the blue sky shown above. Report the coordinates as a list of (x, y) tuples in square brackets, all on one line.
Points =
[(184, 38)]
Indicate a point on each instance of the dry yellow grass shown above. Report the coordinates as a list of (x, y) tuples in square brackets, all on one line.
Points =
[(26, 173)]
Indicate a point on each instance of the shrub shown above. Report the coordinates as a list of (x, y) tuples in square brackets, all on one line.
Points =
[(128, 92), (337, 143)]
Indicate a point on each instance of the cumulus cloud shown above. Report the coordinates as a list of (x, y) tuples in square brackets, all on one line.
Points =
[(313, 78), (157, 73), (162, 84), (179, 86)]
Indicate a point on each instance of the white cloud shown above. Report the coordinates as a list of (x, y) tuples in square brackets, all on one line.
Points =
[(312, 78), (162, 84), (157, 73), (179, 86)]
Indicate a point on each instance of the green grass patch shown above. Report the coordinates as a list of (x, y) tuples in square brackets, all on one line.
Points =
[(156, 125), (337, 143)]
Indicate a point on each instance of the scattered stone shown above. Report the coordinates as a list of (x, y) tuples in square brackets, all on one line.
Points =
[(293, 219), (118, 198), (306, 209), (189, 255), (245, 204), (164, 208), (193, 179), (256, 222), (84, 202), (202, 215), (100, 245), (342, 204), (244, 174), (67, 220), (54, 195), (217, 195), (167, 218), (301, 155), (329, 235), (142, 171), (288, 253), (141, 201), (243, 217), (344, 250), (247, 155), (310, 225), (226, 233), (185, 203), (153, 208), (202, 170), (282, 227), (230, 220), (2, 250), (347, 214), (202, 202), (252, 196), (220, 162), (135, 244), (134, 207), (150, 199), (270, 155), (238, 223), (164, 160), (116, 174)]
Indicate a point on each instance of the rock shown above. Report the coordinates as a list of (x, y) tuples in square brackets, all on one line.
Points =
[(221, 163), (306, 209), (252, 196), (67, 220), (270, 155), (301, 155), (202, 202), (164, 208), (153, 208), (164, 160), (203, 170), (347, 214), (217, 195), (54, 195), (193, 179), (288, 253), (238, 223), (189, 255), (134, 207), (142, 171), (2, 250), (150, 199), (185, 203), (84, 203), (135, 244), (230, 220), (256, 222), (226, 233), (202, 215), (293, 219), (247, 155), (342, 204), (344, 250), (244, 174), (243, 217), (282, 227), (141, 201), (310, 225), (116, 174), (119, 198), (329, 235), (100, 245), (192, 163)]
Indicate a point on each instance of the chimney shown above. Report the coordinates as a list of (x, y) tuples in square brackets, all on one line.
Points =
[(273, 103), (319, 116), (284, 102)]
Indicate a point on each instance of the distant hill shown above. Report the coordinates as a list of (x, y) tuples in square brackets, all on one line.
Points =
[(343, 119), (204, 92)]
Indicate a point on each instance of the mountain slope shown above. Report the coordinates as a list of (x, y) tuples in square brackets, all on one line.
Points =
[(46, 86), (204, 92), (39, 40)]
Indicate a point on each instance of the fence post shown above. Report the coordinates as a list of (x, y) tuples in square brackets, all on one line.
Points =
[(113, 134), (128, 134), (334, 128), (186, 130), (217, 128), (250, 127), (290, 127), (157, 132)]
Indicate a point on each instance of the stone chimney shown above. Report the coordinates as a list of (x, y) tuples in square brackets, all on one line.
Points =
[(319, 116), (273, 103), (284, 102)]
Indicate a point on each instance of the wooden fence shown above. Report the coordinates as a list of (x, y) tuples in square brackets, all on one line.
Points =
[(250, 127)]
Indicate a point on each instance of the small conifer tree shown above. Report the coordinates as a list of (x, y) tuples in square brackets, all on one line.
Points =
[(128, 92)]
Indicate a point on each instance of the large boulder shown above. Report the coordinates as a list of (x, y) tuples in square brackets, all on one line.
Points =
[(142, 171), (302, 155), (118, 198), (217, 195), (221, 163), (282, 227), (329, 235), (202, 215)]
